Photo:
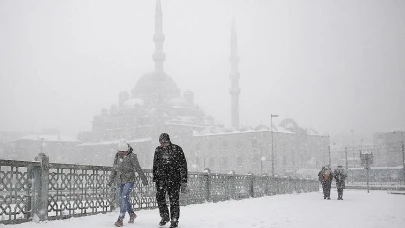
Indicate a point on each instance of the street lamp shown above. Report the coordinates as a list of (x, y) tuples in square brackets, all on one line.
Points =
[(354, 164), (330, 157), (272, 150)]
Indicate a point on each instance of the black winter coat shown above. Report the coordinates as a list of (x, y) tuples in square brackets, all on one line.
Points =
[(169, 164), (340, 177)]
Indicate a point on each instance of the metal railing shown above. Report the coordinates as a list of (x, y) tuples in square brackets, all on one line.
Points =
[(42, 191)]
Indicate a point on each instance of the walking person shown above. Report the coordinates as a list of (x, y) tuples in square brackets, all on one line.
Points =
[(170, 177), (326, 177), (124, 167), (340, 177)]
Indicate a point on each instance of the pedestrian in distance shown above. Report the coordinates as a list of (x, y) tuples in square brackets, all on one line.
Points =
[(325, 177), (124, 167), (170, 177), (340, 177)]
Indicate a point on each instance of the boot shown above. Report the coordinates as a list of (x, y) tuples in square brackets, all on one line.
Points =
[(119, 223), (164, 221), (174, 224), (132, 217)]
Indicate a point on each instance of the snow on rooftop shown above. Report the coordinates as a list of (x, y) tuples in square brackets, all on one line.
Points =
[(140, 140), (49, 138), (223, 131)]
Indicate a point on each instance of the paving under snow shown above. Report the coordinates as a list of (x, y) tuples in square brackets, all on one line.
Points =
[(307, 210)]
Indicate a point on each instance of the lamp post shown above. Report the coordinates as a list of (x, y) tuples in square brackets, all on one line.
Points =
[(330, 157), (272, 150), (354, 164)]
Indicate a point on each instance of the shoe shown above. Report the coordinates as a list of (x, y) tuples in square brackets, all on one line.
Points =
[(132, 217), (164, 221), (328, 198), (324, 197), (174, 224), (119, 223)]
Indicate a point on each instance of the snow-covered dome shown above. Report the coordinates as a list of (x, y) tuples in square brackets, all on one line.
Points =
[(148, 85), (290, 125)]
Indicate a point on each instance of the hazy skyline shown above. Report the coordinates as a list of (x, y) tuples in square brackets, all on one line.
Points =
[(330, 65)]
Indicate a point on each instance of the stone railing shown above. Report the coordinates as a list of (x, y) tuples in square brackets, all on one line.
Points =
[(41, 191)]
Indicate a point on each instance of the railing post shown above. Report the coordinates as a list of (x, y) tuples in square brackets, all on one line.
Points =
[(232, 186), (207, 186), (40, 188), (265, 178), (251, 187)]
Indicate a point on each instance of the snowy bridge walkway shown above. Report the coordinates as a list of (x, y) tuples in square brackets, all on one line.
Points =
[(306, 210)]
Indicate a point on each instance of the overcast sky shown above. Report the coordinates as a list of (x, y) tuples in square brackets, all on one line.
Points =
[(330, 65)]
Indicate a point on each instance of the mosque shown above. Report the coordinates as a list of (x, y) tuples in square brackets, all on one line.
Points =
[(155, 105)]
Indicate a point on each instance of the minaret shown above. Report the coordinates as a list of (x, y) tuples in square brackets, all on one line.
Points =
[(234, 75), (158, 57)]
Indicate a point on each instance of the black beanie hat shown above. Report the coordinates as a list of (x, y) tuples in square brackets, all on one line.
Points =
[(164, 137)]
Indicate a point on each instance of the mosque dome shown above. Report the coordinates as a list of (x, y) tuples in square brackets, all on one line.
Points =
[(150, 84)]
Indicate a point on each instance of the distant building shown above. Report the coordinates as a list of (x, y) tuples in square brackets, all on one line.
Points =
[(59, 148), (156, 105), (388, 149)]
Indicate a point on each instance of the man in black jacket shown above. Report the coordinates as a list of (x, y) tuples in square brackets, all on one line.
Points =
[(170, 176), (340, 177)]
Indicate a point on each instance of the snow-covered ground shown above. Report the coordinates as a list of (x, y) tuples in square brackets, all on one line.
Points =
[(307, 210)]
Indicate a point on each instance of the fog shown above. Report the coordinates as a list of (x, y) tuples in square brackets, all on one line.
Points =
[(334, 66)]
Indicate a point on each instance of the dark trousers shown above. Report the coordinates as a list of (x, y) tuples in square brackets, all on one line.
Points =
[(326, 186), (173, 190), (340, 193)]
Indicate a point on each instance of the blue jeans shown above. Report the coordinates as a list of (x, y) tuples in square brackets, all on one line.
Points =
[(125, 204)]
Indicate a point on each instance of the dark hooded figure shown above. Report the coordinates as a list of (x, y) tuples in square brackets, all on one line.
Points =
[(326, 177), (170, 176), (340, 177)]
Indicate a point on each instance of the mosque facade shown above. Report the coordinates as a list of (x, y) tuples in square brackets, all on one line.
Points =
[(155, 105)]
